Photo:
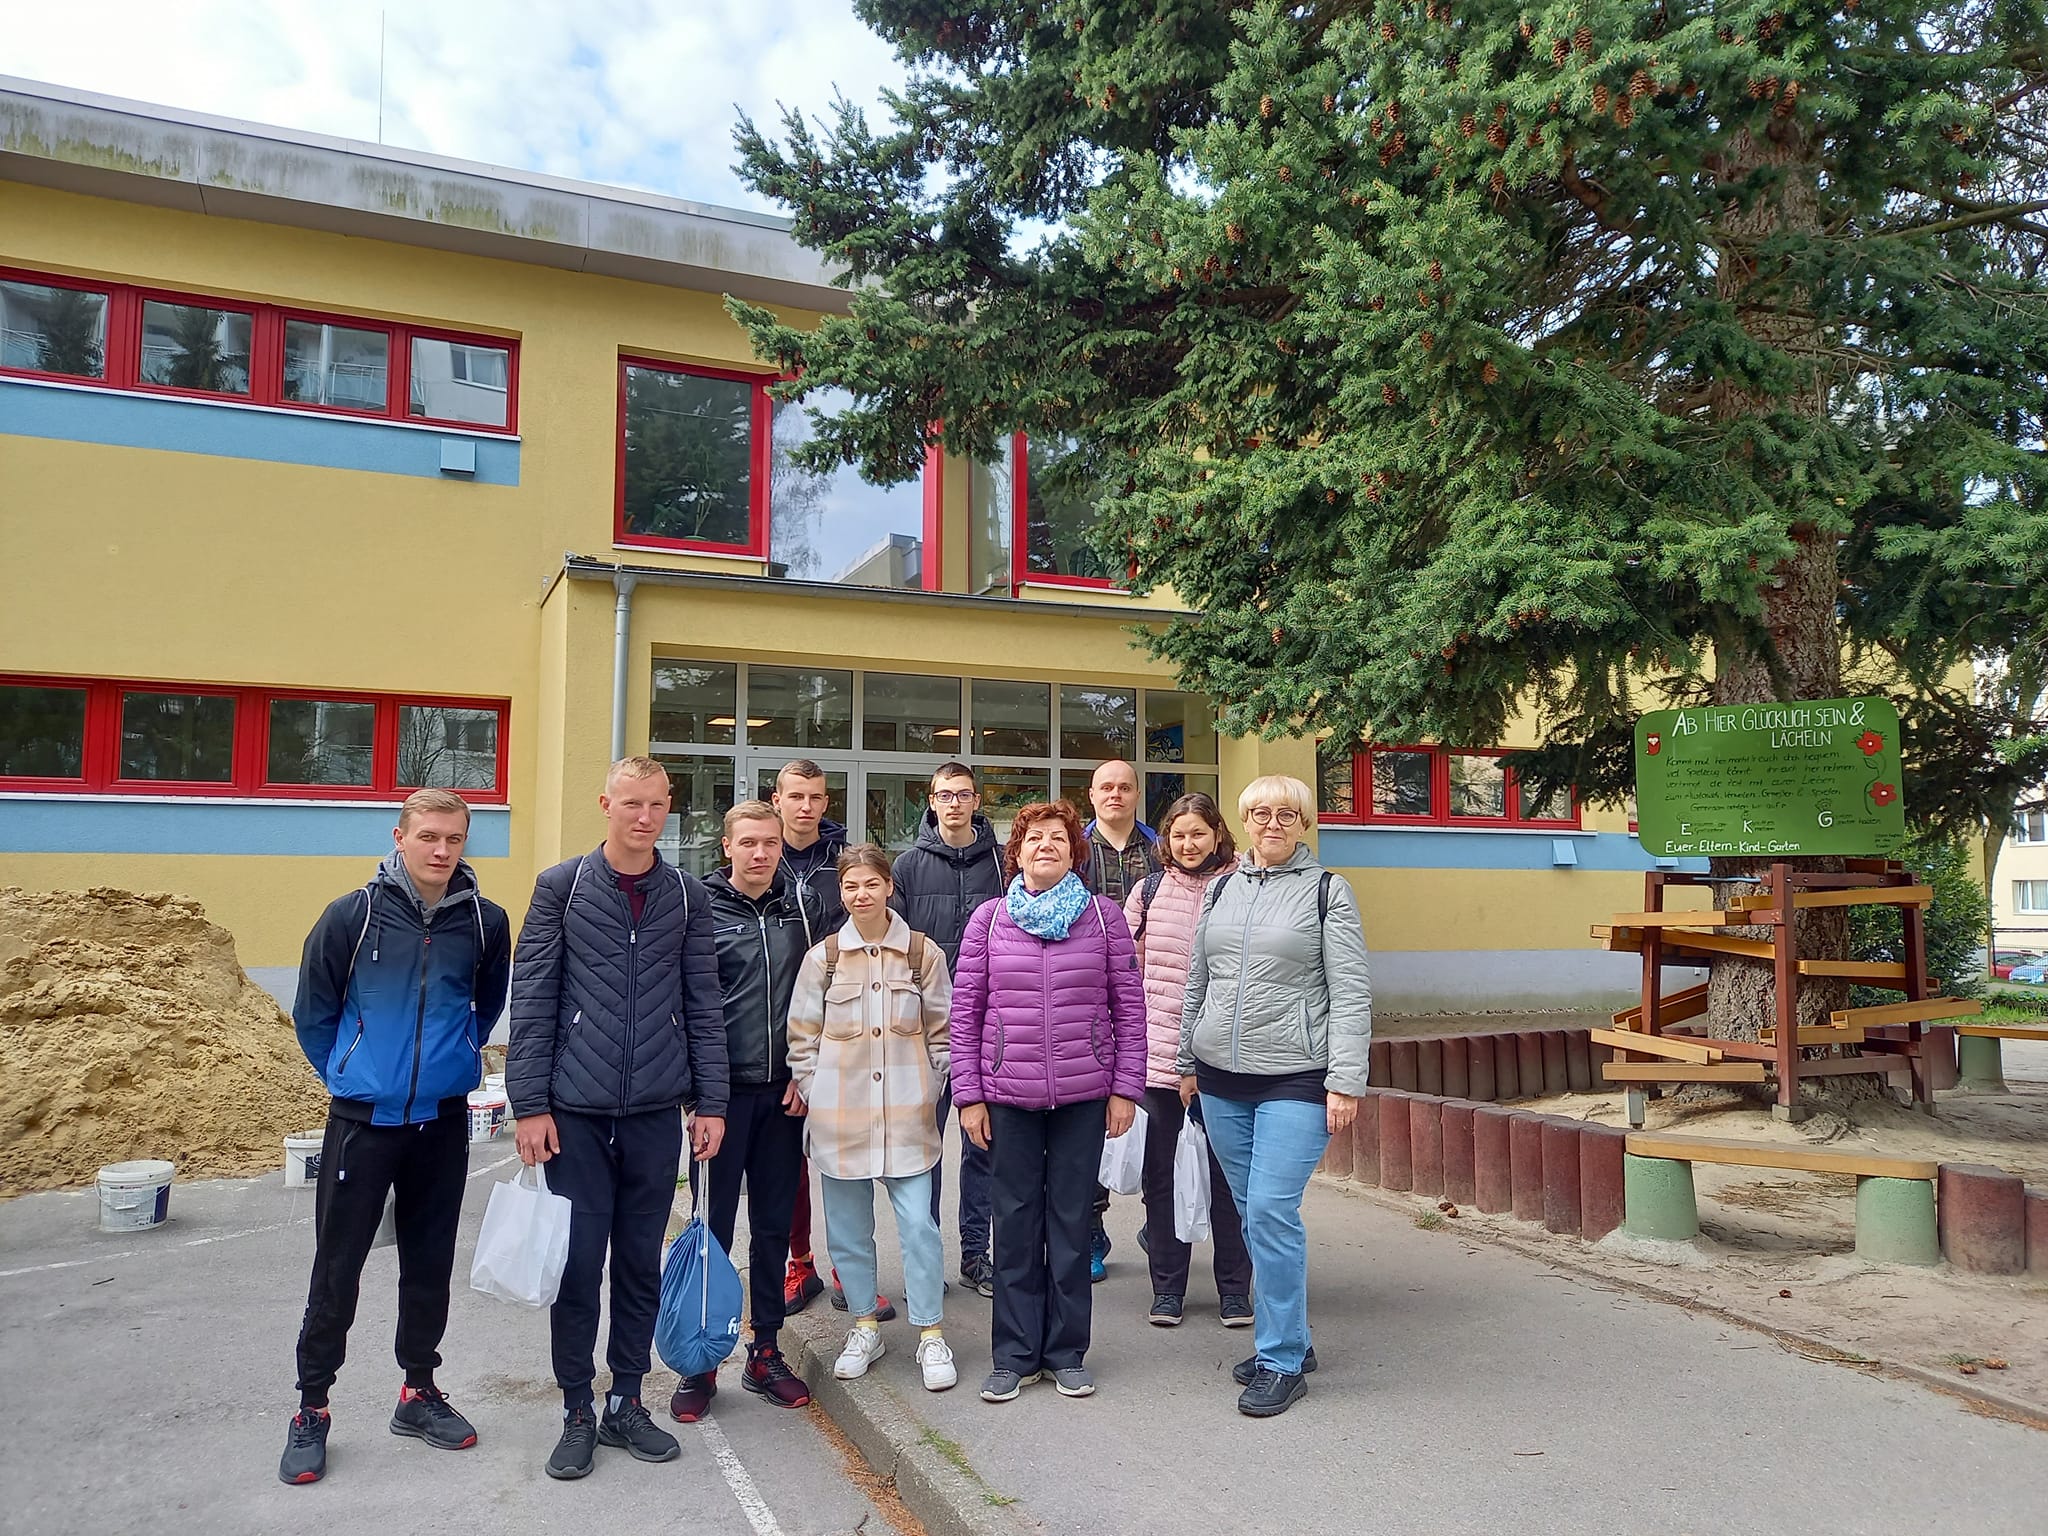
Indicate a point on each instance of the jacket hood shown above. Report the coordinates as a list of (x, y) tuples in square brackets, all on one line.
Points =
[(393, 873), (1149, 835), (1303, 857), (930, 840), (783, 890), (831, 836)]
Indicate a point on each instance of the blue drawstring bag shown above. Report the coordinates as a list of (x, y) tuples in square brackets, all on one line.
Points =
[(701, 1301)]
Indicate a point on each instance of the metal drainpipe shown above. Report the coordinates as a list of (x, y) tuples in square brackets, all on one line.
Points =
[(622, 638)]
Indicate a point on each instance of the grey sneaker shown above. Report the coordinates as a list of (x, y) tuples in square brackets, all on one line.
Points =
[(1271, 1393), (1001, 1386), (630, 1428), (1243, 1372), (1074, 1381), (576, 1451)]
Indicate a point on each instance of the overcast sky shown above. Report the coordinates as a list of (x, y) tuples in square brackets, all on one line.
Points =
[(641, 93)]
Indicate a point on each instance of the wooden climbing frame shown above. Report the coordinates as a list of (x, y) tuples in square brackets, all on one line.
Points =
[(1892, 1039)]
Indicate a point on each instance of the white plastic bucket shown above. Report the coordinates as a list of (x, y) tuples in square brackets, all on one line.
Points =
[(488, 1112), (494, 1082), (302, 1158), (135, 1196)]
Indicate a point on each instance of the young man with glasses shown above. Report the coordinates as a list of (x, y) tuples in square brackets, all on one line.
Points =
[(956, 865)]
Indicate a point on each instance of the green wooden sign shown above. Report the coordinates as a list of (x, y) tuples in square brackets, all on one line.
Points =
[(1770, 780)]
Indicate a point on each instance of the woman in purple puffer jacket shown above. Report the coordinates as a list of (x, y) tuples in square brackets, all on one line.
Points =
[(1048, 1028)]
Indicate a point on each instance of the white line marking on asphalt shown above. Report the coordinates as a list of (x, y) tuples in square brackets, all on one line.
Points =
[(477, 1173), (737, 1478)]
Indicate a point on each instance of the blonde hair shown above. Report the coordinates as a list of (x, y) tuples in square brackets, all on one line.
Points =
[(633, 768), (750, 810), (1276, 790), (429, 802)]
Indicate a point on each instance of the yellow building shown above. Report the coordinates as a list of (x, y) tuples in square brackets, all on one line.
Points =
[(328, 470)]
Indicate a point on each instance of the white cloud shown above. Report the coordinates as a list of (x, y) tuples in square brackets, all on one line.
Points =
[(636, 92)]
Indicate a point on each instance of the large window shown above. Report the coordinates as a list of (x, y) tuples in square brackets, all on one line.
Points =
[(1433, 786), (2030, 896), (2030, 826), (839, 526), (1031, 518), (129, 337), (722, 727), (68, 734)]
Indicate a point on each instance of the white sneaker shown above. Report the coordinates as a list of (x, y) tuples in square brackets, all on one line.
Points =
[(864, 1347), (935, 1359)]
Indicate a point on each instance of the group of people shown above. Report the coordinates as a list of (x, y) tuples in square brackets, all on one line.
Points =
[(817, 1003)]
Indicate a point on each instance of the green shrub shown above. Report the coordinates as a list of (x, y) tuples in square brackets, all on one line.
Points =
[(1956, 924)]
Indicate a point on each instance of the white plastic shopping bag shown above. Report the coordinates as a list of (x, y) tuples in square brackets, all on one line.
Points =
[(1123, 1158), (1191, 1184), (524, 1242)]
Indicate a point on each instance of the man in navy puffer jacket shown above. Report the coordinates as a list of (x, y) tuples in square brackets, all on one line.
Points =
[(400, 983), (616, 1026)]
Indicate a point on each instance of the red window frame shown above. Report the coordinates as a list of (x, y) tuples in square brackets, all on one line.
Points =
[(122, 361), (760, 462), (101, 757), (1020, 503), (1440, 794)]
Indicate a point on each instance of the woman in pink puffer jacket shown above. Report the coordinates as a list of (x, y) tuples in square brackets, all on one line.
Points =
[(1163, 914), (1048, 1057)]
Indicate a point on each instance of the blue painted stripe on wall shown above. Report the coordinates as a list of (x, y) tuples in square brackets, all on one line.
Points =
[(178, 425), (62, 825), (1396, 848)]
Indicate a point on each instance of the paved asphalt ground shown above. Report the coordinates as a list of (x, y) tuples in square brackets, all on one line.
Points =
[(1463, 1389)]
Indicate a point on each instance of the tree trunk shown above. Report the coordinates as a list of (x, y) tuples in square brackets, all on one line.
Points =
[(1799, 655)]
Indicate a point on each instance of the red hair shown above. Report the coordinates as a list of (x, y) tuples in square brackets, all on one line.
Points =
[(1061, 811)]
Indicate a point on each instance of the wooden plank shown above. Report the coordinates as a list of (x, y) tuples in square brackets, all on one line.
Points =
[(2003, 1031), (1696, 918), (1862, 896), (1816, 1034), (1720, 944), (1848, 1066), (1682, 1072), (1855, 970), (1771, 1154), (1672, 1008), (1655, 1045), (1907, 1012)]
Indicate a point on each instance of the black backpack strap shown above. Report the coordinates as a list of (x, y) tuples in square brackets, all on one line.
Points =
[(1215, 890), (1146, 892), (1323, 898)]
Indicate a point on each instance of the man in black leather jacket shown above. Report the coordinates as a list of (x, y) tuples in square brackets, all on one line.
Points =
[(616, 1025), (763, 921)]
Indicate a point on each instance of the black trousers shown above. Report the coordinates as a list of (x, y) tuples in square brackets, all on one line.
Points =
[(360, 1164), (1043, 1164), (619, 1174), (764, 1147), (1170, 1256)]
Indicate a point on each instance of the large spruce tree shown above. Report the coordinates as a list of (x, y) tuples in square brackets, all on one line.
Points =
[(1455, 357)]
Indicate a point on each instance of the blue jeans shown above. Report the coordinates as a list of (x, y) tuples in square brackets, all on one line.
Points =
[(1267, 1152), (850, 1241)]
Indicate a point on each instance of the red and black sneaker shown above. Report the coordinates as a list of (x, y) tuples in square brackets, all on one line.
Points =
[(305, 1447), (801, 1286), (693, 1397), (768, 1375), (424, 1414)]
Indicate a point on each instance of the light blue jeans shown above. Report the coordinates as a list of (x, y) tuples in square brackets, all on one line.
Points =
[(850, 1240), (1267, 1152)]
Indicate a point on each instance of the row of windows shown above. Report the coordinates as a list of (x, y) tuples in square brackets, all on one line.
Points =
[(64, 734), (228, 349), (1433, 787), (704, 456)]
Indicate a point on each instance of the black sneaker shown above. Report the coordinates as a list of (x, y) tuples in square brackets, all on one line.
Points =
[(575, 1452), (978, 1275), (424, 1414), (1243, 1372), (1165, 1311), (1270, 1393), (305, 1447), (630, 1428), (1235, 1309)]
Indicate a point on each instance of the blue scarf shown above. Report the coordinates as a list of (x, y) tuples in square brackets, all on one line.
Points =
[(1047, 914)]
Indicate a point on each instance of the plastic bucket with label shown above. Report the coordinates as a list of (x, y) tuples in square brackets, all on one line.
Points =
[(135, 1196)]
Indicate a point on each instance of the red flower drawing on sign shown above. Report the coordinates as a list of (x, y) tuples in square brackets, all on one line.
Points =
[(1871, 743), (1883, 794), (1653, 743)]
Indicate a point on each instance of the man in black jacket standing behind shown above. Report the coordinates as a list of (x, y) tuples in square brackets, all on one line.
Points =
[(956, 865), (616, 1025)]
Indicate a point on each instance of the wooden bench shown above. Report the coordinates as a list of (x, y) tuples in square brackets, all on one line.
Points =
[(1894, 1195)]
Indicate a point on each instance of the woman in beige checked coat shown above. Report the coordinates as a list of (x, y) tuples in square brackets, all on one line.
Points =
[(868, 1048)]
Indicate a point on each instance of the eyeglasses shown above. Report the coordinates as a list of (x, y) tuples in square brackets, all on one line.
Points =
[(955, 796), (1267, 816)]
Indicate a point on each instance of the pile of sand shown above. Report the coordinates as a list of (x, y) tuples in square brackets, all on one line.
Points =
[(129, 1029)]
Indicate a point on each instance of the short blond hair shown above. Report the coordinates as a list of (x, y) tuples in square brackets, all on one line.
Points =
[(632, 768), (750, 810), (1277, 790), (432, 802)]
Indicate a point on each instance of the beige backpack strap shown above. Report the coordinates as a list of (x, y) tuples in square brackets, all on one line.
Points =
[(831, 956)]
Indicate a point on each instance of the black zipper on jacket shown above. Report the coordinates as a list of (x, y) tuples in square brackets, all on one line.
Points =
[(632, 1001), (419, 1021)]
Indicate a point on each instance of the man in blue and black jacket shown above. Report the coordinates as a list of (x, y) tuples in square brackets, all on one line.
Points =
[(400, 983), (616, 1027)]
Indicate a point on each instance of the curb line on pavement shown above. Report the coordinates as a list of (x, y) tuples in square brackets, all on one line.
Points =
[(1979, 1399), (932, 1478)]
